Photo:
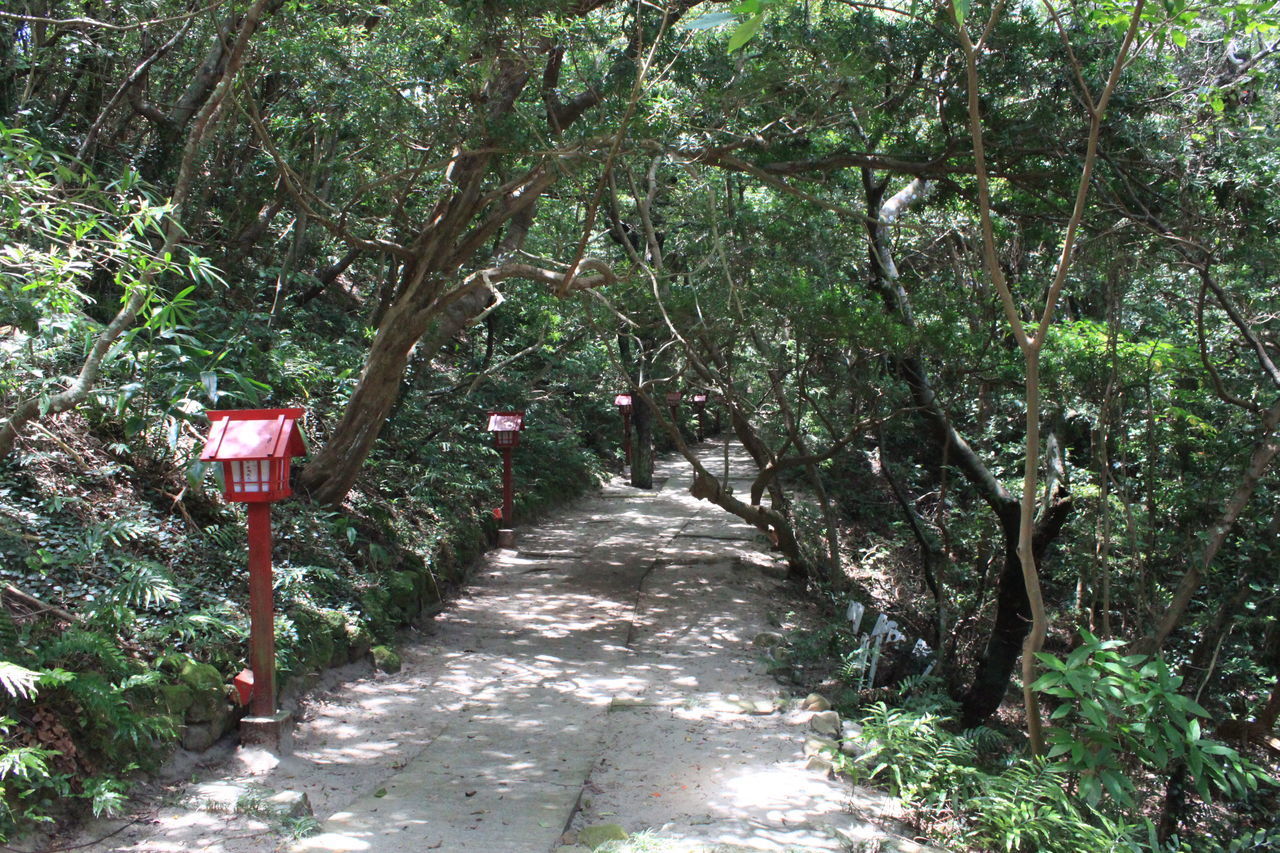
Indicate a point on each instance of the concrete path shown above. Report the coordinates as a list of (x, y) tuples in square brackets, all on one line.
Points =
[(601, 672)]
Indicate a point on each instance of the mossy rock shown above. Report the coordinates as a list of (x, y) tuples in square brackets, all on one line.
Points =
[(341, 648), (430, 589), (320, 649), (403, 589), (173, 663), (174, 698), (599, 834), (386, 659), (314, 645), (375, 604), (206, 705), (201, 677), (359, 642), (335, 624)]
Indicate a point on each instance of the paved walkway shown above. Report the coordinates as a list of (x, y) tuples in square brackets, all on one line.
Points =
[(602, 671)]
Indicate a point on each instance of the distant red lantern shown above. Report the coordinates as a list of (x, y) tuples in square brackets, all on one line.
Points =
[(623, 402), (700, 406), (673, 398), (256, 448), (506, 427)]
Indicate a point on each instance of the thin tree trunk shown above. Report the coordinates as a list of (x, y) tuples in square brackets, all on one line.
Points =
[(1264, 452), (642, 445), (332, 470)]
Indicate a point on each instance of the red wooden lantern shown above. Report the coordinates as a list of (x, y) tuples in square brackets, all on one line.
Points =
[(255, 447), (673, 399), (623, 402), (700, 406), (506, 427)]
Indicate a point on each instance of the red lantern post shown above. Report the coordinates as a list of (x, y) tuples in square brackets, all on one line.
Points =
[(506, 427), (256, 448), (673, 406), (623, 402), (700, 406)]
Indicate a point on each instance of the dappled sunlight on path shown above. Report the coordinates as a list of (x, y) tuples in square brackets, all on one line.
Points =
[(602, 671)]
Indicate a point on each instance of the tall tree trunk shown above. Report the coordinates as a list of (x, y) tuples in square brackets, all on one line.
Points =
[(642, 447), (1013, 610), (333, 469), (1012, 621)]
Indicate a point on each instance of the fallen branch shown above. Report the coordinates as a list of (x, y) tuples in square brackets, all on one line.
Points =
[(37, 605)]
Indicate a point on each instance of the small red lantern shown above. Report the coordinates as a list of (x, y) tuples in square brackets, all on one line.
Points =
[(623, 402), (700, 406), (506, 427), (673, 399), (255, 447)]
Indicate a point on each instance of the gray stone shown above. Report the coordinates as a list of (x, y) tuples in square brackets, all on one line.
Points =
[(777, 571), (768, 639), (288, 804), (849, 730), (826, 723), (852, 748), (820, 763), (815, 745), (240, 798), (198, 737), (815, 702)]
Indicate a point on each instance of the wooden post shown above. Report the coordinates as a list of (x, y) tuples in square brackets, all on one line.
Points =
[(626, 434), (508, 500), (262, 638)]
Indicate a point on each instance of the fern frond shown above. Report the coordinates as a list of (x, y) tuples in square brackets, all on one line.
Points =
[(24, 762), (18, 681), (147, 585), (77, 649)]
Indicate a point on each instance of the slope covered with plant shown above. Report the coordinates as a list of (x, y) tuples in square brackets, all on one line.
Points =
[(987, 291)]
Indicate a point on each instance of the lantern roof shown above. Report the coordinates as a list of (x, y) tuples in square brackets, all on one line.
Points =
[(700, 398), (253, 434), (506, 421), (622, 400)]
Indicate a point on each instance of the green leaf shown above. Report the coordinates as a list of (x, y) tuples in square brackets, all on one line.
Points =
[(961, 8), (1179, 38), (746, 31), (709, 21), (18, 681)]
